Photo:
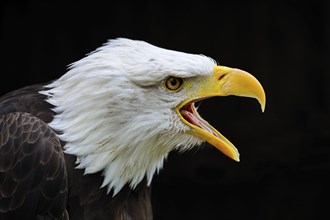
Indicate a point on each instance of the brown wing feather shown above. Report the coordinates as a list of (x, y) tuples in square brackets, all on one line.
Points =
[(33, 180), (31, 183)]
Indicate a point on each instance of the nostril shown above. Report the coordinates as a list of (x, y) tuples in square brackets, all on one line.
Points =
[(221, 77)]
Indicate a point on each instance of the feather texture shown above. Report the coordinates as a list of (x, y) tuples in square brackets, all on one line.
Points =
[(115, 114), (86, 146)]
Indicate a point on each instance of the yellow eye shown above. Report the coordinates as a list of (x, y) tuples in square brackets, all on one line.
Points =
[(173, 83)]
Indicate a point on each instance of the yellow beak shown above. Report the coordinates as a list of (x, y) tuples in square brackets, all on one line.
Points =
[(225, 81)]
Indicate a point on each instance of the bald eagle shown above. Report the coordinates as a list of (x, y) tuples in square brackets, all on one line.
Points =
[(87, 145)]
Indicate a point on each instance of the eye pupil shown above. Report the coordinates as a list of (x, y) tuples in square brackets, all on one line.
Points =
[(173, 83)]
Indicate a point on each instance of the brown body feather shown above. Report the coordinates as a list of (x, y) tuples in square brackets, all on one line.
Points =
[(39, 181)]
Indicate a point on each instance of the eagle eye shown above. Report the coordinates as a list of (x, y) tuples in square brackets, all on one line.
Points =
[(173, 83)]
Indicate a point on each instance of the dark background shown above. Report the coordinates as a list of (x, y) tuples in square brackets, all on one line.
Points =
[(285, 152)]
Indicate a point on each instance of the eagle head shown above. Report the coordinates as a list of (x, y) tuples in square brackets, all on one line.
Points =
[(122, 108)]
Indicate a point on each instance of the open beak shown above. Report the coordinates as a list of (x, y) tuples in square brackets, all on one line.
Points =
[(225, 81)]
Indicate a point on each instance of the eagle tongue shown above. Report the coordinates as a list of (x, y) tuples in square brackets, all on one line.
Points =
[(195, 120)]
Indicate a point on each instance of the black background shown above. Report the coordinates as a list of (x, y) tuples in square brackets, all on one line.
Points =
[(285, 164)]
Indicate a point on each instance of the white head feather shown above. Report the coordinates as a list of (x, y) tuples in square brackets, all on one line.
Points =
[(115, 114)]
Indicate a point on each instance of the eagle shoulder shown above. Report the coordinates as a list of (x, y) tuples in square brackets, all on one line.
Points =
[(33, 180)]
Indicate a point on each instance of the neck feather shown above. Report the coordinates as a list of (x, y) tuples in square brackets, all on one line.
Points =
[(125, 142)]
